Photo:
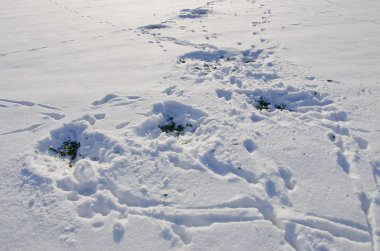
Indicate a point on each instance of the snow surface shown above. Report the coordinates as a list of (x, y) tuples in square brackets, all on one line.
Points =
[(278, 101)]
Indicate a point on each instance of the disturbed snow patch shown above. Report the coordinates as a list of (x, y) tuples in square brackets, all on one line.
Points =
[(287, 98), (173, 118), (94, 145)]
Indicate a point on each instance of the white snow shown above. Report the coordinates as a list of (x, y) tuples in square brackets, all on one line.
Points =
[(203, 125)]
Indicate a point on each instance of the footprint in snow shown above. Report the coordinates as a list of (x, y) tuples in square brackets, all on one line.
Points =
[(53, 115), (194, 13), (115, 100)]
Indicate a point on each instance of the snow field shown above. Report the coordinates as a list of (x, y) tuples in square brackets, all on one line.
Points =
[(267, 158)]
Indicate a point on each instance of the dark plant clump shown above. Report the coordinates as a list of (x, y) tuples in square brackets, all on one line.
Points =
[(172, 128), (69, 149), (280, 107), (262, 104)]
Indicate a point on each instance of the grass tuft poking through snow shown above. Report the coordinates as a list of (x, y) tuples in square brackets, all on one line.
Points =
[(170, 127), (69, 149), (262, 104)]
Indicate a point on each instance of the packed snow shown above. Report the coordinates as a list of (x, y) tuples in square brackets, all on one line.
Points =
[(190, 125)]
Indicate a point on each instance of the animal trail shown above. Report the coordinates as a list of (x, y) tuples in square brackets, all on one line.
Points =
[(79, 14), (200, 217), (26, 50), (334, 228), (226, 66)]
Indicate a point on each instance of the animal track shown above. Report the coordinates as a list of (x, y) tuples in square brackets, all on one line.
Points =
[(27, 129), (220, 168), (118, 231), (115, 100), (249, 145), (173, 90), (121, 125), (27, 103), (91, 119), (194, 13), (286, 175), (148, 28), (53, 115)]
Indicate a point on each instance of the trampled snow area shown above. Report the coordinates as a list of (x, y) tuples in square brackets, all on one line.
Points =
[(203, 125)]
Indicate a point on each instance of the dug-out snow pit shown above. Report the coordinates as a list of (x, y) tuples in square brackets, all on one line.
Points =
[(172, 118), (287, 98), (87, 144)]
